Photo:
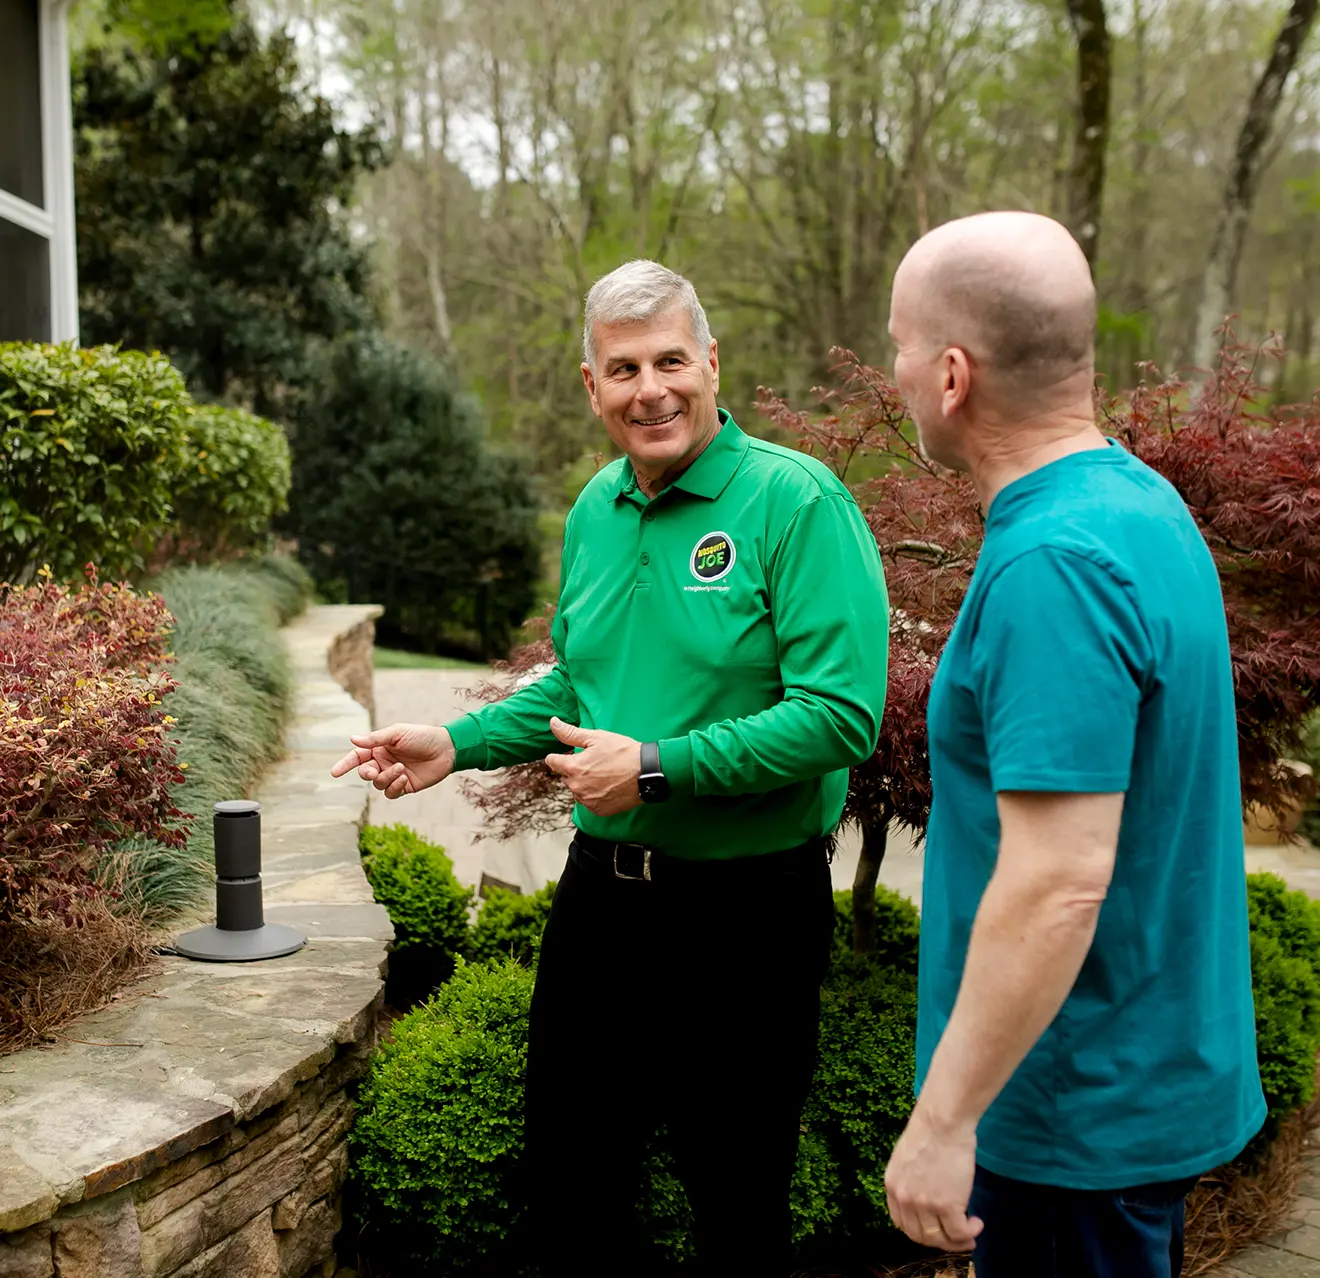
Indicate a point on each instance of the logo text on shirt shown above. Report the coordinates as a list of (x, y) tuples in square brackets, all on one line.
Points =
[(713, 557)]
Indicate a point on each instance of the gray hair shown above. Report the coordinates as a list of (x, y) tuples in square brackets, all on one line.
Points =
[(638, 291)]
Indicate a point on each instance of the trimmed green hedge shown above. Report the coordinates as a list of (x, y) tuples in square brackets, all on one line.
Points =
[(234, 697), (440, 1125), (92, 444), (236, 482), (1285, 978), (105, 459), (509, 925), (414, 880)]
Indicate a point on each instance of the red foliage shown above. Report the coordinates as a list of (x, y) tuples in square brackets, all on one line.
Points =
[(1252, 483), (84, 756)]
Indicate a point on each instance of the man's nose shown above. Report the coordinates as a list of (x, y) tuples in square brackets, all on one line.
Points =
[(649, 384)]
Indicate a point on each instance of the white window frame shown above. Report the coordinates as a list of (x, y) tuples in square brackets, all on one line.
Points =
[(55, 222)]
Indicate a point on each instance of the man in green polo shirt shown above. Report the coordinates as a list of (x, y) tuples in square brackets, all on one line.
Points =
[(721, 644)]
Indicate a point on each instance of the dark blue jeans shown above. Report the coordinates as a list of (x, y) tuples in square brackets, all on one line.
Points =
[(1042, 1231)]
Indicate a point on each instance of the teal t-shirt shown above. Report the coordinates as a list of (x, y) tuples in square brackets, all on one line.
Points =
[(1091, 656)]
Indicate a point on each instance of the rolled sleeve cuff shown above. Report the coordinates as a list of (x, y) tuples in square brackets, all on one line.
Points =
[(676, 764), (469, 743)]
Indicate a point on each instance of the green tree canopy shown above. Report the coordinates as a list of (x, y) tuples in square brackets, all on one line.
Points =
[(211, 192)]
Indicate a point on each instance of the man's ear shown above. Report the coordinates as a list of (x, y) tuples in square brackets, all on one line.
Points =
[(715, 362), (589, 381), (957, 380)]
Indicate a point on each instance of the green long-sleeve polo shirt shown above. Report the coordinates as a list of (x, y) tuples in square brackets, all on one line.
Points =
[(740, 619)]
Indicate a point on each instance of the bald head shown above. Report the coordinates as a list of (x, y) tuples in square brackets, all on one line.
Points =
[(1012, 289)]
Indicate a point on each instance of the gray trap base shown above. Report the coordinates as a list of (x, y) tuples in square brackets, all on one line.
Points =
[(271, 940)]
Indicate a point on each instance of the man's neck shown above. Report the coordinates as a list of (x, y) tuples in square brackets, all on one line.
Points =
[(1012, 452), (652, 486)]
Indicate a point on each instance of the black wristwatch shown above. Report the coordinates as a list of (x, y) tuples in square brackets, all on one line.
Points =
[(652, 784)]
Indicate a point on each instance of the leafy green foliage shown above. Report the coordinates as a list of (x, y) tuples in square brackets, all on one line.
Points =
[(92, 444), (414, 880), (396, 501), (212, 193), (412, 1165), (234, 695), (1285, 970), (236, 481), (509, 925), (861, 1098), (897, 929), (439, 1124)]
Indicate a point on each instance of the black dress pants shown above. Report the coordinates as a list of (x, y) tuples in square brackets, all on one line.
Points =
[(692, 1001)]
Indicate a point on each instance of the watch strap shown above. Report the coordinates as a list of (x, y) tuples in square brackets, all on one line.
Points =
[(651, 759)]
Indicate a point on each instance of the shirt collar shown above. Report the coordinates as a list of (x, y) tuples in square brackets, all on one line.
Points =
[(709, 475)]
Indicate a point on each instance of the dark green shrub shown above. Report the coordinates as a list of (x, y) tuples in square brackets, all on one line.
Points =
[(92, 445), (439, 1124), (414, 880), (897, 929), (236, 482), (396, 500), (510, 925), (1285, 977), (859, 1103), (435, 1186)]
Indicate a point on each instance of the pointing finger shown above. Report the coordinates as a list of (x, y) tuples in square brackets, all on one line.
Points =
[(350, 761)]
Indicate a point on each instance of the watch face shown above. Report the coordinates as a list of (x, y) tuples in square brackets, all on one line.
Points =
[(653, 788)]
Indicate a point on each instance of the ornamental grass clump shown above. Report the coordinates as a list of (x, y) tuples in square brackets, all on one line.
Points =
[(86, 761)]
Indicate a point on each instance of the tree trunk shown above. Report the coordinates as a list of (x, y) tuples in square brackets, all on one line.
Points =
[(1219, 282), (874, 838), (1086, 179)]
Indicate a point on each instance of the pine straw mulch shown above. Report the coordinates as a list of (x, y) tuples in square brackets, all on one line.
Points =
[(55, 970)]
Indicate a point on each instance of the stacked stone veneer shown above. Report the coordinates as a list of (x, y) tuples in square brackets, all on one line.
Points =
[(198, 1129)]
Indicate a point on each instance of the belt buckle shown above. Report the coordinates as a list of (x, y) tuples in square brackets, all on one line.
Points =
[(645, 875)]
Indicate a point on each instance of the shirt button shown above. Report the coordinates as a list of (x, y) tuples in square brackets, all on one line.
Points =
[(649, 515), (646, 559)]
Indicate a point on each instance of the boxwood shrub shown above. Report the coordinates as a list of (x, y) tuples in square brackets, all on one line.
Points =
[(441, 1126), (1285, 978), (414, 880), (509, 925), (93, 442)]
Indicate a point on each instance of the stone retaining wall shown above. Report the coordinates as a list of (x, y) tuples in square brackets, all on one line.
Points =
[(196, 1128)]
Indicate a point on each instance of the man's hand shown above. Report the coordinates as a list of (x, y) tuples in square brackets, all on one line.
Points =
[(929, 1184), (603, 777), (400, 759)]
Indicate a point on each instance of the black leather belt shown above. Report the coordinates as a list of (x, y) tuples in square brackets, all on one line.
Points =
[(642, 864)]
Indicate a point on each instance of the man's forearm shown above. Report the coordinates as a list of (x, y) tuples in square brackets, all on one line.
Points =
[(517, 729), (1027, 946)]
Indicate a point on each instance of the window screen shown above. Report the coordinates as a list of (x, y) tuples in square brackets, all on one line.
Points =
[(24, 285), (20, 101)]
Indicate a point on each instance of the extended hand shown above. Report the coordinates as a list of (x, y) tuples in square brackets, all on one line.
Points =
[(603, 775), (400, 759), (929, 1184)]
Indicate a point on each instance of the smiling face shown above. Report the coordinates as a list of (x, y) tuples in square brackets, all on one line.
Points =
[(655, 391)]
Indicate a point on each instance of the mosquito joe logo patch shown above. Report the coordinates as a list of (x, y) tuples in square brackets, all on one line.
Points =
[(713, 557)]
